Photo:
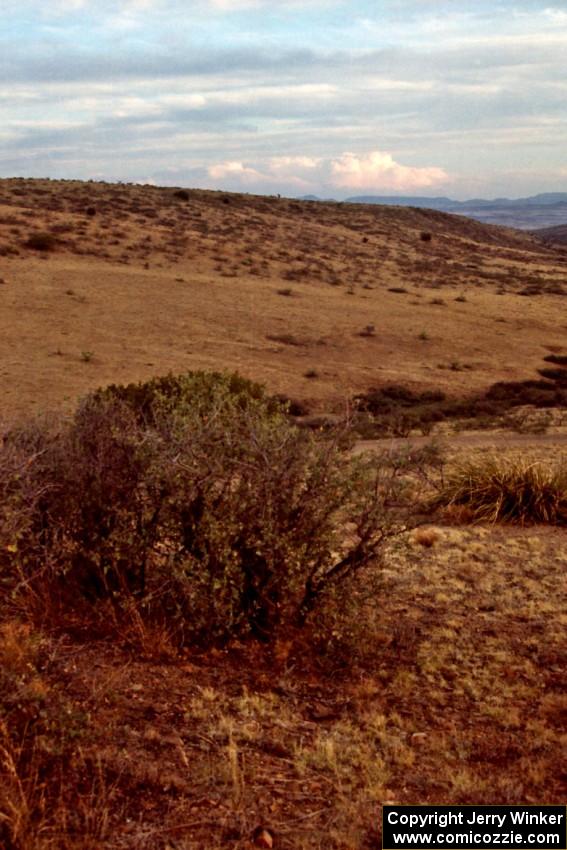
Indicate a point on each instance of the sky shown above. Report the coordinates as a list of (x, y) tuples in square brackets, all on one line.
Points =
[(328, 97)]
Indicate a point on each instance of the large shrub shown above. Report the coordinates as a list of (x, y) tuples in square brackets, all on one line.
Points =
[(204, 504)]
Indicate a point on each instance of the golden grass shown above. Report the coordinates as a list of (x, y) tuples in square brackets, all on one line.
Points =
[(152, 284), (448, 687), (509, 489)]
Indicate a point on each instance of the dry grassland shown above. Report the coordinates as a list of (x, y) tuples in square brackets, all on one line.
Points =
[(446, 686), (279, 290)]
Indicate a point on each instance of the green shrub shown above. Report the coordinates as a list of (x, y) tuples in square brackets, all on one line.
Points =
[(190, 390), (195, 498), (509, 490)]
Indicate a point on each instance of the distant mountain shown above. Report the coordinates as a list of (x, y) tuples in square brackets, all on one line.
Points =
[(443, 204), (548, 209), (317, 198)]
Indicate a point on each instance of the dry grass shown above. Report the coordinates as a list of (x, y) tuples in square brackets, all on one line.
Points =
[(455, 697), (168, 284), (510, 489), (441, 679)]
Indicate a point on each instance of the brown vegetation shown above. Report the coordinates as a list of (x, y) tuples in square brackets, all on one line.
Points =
[(218, 629), (177, 279)]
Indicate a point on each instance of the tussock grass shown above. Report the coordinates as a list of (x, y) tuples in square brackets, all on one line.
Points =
[(511, 489)]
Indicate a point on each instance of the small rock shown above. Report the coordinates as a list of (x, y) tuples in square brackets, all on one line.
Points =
[(419, 738), (263, 837)]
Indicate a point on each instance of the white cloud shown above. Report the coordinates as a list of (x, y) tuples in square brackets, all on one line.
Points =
[(379, 170), (291, 163), (232, 169), (556, 16), (234, 5), (374, 171)]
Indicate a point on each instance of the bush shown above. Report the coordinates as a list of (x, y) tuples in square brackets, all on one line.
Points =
[(41, 242), (558, 359), (196, 499), (178, 392), (509, 490), (558, 375)]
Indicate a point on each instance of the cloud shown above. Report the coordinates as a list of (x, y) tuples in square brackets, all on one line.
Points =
[(373, 171), (290, 96), (235, 170), (379, 170), (292, 163), (234, 5)]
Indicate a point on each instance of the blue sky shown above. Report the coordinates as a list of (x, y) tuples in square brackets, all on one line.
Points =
[(335, 98)]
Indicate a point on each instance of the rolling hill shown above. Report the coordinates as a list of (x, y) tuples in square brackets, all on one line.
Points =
[(104, 283)]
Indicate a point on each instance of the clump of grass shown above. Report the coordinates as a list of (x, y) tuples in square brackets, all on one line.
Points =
[(509, 490)]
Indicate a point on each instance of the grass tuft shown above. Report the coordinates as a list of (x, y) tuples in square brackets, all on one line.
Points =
[(511, 490)]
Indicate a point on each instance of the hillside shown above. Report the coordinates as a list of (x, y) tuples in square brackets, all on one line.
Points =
[(552, 235), (217, 629), (132, 281)]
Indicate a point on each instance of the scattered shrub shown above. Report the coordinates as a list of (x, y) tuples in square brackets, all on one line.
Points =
[(558, 359), (536, 392), (425, 236), (181, 194), (369, 330), (41, 242), (558, 375)]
